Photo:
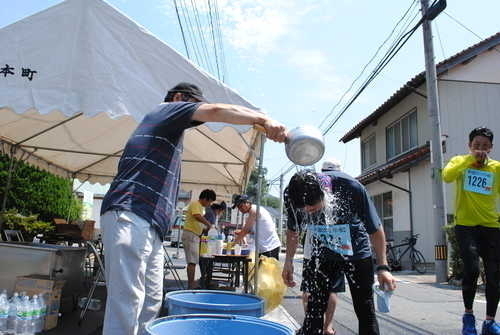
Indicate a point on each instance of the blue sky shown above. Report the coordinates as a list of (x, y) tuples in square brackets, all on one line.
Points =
[(295, 58)]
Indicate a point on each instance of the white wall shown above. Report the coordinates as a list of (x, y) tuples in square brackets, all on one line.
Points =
[(397, 112), (469, 97)]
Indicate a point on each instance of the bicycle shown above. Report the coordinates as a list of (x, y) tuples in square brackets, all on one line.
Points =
[(416, 258)]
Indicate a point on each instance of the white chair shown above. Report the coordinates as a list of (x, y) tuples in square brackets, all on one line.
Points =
[(13, 235)]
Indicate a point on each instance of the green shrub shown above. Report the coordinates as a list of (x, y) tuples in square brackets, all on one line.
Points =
[(34, 191), (28, 225)]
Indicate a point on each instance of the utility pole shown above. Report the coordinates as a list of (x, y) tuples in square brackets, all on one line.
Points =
[(280, 222), (438, 210)]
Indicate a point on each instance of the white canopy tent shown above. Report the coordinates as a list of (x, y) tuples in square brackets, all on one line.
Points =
[(76, 78)]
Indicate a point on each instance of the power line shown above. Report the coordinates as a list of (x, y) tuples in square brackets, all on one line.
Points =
[(189, 30), (468, 29), (380, 66), (201, 33), (213, 38), (221, 44), (463, 25), (439, 39), (182, 30), (369, 62), (390, 53)]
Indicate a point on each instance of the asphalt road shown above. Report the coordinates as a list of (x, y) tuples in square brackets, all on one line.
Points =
[(419, 306)]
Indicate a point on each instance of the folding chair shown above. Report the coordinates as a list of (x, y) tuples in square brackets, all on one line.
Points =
[(172, 268), (13, 235), (94, 267)]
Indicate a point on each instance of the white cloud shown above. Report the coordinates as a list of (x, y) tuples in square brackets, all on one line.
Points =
[(258, 26), (315, 66)]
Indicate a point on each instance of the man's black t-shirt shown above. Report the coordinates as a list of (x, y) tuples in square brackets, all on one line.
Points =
[(351, 205)]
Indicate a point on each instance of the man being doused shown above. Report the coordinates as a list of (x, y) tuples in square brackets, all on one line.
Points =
[(337, 205)]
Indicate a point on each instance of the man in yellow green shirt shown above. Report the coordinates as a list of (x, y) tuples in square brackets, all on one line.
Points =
[(193, 228), (477, 230)]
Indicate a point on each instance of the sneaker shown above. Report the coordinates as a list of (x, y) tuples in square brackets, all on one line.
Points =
[(490, 327), (469, 324)]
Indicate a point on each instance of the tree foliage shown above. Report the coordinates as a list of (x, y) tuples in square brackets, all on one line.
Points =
[(251, 190), (34, 191)]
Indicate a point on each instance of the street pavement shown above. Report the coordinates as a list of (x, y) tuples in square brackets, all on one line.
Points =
[(418, 306)]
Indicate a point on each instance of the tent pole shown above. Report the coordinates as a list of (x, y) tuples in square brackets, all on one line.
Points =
[(259, 190), (13, 150)]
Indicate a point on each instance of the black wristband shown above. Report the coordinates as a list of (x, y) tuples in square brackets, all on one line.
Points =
[(382, 267)]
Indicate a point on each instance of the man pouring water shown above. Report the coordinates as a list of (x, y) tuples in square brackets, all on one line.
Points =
[(342, 220)]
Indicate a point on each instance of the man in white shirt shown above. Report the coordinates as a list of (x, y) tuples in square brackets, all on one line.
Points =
[(268, 242)]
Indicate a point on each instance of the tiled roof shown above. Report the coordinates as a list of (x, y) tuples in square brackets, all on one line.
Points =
[(460, 58), (400, 163)]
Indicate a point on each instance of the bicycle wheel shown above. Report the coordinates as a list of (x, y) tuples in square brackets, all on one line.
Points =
[(392, 262), (418, 261)]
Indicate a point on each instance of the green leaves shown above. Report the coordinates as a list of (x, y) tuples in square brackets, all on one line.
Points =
[(37, 192)]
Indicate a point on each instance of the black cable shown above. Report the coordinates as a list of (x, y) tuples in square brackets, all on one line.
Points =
[(221, 44), (213, 38), (375, 73), (182, 30), (390, 53), (201, 33), (439, 39), (369, 62), (189, 29)]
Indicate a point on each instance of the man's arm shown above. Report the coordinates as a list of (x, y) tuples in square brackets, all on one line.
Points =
[(236, 114), (456, 166), (385, 278), (247, 227), (201, 219), (292, 238)]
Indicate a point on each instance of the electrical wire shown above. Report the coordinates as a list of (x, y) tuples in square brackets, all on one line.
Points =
[(182, 30), (439, 39), (380, 66), (201, 34), (368, 63), (190, 31), (220, 42), (213, 38), (468, 29), (400, 41)]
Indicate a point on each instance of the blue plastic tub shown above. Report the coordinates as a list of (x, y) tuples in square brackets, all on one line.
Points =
[(213, 302), (217, 324)]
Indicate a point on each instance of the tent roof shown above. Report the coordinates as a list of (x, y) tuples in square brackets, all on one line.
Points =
[(97, 74)]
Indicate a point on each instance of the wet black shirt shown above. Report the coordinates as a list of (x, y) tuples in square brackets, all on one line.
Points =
[(351, 205)]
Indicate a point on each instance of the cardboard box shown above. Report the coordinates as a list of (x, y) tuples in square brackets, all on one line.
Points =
[(50, 289)]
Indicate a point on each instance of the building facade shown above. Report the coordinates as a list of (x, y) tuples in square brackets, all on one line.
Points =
[(394, 139)]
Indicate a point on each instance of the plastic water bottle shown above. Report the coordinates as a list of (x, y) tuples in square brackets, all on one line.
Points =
[(4, 313), (43, 311), (20, 317), (12, 318), (383, 298), (212, 240), (36, 319)]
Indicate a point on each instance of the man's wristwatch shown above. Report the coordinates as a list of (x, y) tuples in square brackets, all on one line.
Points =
[(382, 268)]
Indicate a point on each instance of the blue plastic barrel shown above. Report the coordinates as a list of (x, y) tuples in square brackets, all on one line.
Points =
[(213, 302), (217, 324)]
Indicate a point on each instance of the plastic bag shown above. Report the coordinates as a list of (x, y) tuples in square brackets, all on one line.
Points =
[(270, 283)]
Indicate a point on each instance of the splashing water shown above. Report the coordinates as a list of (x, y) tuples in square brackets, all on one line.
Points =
[(334, 210)]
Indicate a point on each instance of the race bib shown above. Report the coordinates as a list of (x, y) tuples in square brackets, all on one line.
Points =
[(478, 181), (336, 237)]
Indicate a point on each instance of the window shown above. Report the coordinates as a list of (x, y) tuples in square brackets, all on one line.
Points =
[(368, 152), (383, 204), (401, 136)]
